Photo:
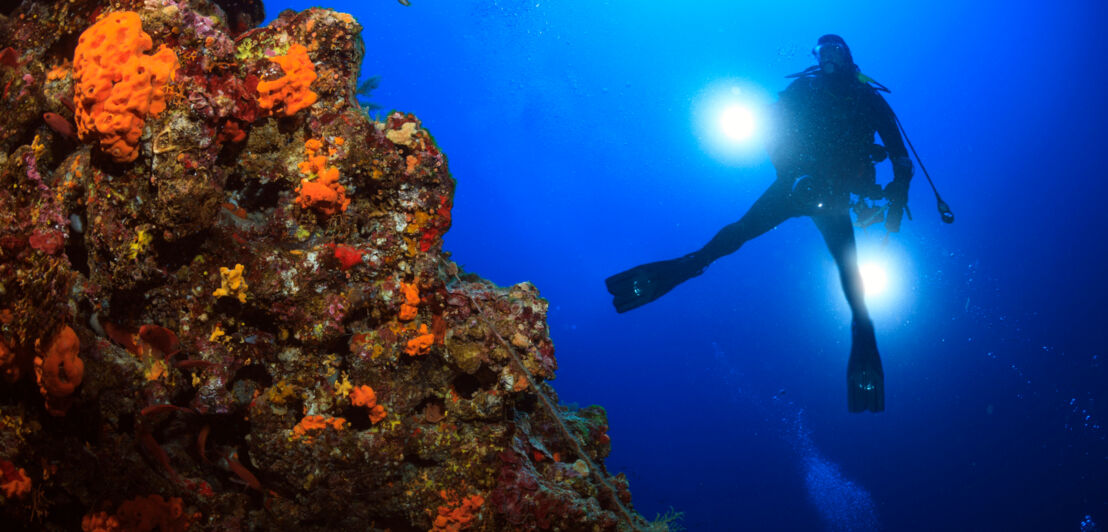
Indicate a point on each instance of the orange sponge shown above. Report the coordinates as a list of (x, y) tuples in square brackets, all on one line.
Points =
[(8, 368), (148, 513), (292, 89), (311, 424), (324, 193), (14, 481), (421, 344), (365, 396), (59, 371), (457, 515), (117, 85), (410, 308)]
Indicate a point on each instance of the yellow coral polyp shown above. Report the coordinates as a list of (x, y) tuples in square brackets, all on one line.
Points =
[(117, 86), (233, 283), (139, 244), (291, 90)]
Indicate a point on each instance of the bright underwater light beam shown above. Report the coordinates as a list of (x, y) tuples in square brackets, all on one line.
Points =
[(888, 275), (737, 122), (729, 120), (874, 278)]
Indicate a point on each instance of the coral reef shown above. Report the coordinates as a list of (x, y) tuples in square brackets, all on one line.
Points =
[(224, 302)]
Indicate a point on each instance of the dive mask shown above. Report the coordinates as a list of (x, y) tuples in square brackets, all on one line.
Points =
[(832, 53)]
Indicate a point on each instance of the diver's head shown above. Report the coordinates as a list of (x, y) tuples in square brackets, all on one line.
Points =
[(833, 55)]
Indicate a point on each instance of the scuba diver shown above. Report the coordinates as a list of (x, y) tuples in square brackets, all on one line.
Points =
[(822, 148)]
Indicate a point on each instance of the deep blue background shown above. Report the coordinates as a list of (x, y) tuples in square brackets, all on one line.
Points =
[(574, 132)]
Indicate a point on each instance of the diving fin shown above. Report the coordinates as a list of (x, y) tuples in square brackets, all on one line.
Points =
[(642, 284), (865, 380)]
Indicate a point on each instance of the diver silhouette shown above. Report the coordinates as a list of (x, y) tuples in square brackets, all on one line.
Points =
[(822, 148)]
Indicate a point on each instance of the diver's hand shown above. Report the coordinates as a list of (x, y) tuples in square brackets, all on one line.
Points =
[(903, 170), (897, 194)]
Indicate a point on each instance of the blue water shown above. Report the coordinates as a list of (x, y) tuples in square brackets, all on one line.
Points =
[(582, 139)]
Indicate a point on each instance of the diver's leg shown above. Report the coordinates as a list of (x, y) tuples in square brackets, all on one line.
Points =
[(772, 208), (642, 284), (838, 234), (865, 378)]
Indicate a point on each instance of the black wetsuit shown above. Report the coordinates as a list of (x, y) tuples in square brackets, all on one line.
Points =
[(822, 140), (822, 146)]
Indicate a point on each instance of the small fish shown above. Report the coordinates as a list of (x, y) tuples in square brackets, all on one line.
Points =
[(368, 86), (121, 336), (240, 471), (160, 338), (147, 440), (202, 443), (59, 124), (193, 364), (404, 2), (68, 103)]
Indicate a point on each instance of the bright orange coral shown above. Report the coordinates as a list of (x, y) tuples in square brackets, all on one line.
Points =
[(291, 90), (59, 371), (321, 189), (153, 512), (365, 396), (310, 424), (14, 482), (325, 194), (99, 522), (117, 85), (421, 344), (457, 515), (8, 368), (409, 309)]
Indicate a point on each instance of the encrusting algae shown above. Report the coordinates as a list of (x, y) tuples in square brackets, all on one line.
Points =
[(355, 381)]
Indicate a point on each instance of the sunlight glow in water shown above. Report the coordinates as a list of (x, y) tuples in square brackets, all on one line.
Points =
[(729, 121), (737, 122), (887, 277), (874, 278)]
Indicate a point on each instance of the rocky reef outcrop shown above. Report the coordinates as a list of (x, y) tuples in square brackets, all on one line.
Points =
[(224, 302)]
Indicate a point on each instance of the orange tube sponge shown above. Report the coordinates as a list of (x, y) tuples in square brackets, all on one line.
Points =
[(292, 90), (59, 371), (117, 85)]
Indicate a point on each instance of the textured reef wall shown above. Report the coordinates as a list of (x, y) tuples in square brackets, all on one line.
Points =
[(224, 302)]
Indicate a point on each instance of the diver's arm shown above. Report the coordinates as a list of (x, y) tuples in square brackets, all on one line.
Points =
[(897, 190), (885, 124)]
